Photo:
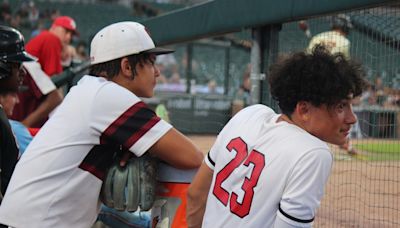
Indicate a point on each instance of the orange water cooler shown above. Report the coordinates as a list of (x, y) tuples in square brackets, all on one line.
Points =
[(169, 209)]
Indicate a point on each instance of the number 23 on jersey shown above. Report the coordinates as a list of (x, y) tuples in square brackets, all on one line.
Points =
[(242, 158)]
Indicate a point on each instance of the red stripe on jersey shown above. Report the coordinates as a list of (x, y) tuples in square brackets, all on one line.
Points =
[(127, 129), (121, 120), (92, 169), (143, 130)]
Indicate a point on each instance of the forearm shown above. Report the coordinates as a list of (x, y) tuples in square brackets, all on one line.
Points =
[(195, 211), (197, 196), (52, 100), (185, 154)]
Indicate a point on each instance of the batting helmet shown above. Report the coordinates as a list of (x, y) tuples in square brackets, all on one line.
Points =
[(11, 50), (342, 22)]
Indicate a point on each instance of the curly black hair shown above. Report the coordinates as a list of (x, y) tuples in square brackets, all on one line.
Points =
[(318, 77)]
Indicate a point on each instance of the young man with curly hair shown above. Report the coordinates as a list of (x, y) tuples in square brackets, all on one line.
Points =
[(267, 169)]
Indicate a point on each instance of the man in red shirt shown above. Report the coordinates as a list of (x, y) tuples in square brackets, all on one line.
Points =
[(48, 45), (36, 103)]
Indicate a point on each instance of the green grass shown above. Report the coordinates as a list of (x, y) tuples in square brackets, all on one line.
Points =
[(379, 150)]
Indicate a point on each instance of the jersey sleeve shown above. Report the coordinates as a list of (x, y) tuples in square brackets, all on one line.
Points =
[(305, 188), (33, 87), (41, 80), (122, 118)]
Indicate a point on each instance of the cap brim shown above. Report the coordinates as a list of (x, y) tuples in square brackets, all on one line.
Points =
[(159, 51), (22, 57)]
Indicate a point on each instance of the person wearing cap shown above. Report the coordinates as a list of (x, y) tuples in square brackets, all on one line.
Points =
[(36, 103), (57, 182), (12, 54), (48, 45), (335, 40)]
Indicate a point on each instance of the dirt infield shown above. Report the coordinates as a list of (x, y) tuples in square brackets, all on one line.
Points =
[(358, 194)]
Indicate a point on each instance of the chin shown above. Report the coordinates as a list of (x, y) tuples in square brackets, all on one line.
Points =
[(337, 141), (148, 95)]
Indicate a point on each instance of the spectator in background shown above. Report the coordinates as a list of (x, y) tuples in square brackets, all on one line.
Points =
[(33, 14), (81, 51), (212, 86), (36, 104), (68, 56), (379, 90), (242, 96), (5, 12), (12, 54), (368, 97), (39, 27), (54, 14)]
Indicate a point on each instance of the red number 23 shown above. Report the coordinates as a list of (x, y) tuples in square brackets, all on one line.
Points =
[(255, 157)]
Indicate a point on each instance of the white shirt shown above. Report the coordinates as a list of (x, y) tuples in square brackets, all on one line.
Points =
[(58, 179), (333, 41), (260, 166)]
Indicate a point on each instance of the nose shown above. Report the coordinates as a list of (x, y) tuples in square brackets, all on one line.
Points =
[(16, 98), (157, 71), (351, 117)]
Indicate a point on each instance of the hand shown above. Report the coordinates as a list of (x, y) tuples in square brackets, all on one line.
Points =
[(124, 158)]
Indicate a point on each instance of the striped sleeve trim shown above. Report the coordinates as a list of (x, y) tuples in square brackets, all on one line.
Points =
[(210, 160), (130, 126), (294, 218)]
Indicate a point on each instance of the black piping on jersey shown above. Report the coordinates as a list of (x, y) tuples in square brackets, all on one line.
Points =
[(293, 218), (130, 126), (99, 159), (209, 159)]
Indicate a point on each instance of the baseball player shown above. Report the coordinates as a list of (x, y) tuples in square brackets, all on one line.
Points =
[(335, 40), (269, 170), (57, 181), (12, 54)]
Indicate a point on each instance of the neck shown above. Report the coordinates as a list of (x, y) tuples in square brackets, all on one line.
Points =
[(285, 118), (292, 120)]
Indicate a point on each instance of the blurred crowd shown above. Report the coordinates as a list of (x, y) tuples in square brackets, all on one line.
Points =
[(27, 17), (379, 95)]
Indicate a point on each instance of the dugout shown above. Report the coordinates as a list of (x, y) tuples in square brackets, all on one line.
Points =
[(362, 190)]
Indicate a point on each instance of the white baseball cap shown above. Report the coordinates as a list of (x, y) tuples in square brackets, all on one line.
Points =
[(122, 39)]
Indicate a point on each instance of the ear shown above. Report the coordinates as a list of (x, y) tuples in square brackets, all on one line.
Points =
[(126, 68), (302, 110)]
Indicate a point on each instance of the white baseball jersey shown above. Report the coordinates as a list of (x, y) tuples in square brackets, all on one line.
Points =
[(58, 179), (265, 172), (333, 41)]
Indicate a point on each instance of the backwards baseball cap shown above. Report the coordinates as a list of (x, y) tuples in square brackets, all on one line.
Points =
[(342, 21), (65, 22), (122, 39)]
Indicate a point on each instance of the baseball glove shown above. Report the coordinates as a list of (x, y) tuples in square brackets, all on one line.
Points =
[(131, 186)]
